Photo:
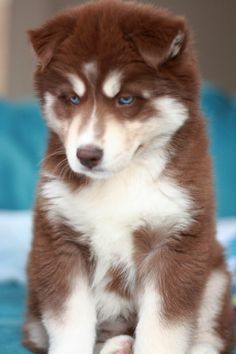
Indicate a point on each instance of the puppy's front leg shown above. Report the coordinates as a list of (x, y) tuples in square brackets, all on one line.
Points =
[(154, 333), (59, 293), (171, 279), (71, 329)]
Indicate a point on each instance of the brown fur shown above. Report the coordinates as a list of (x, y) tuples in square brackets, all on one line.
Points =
[(180, 263), (117, 283), (54, 249)]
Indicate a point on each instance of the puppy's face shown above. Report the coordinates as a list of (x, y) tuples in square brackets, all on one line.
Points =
[(109, 102)]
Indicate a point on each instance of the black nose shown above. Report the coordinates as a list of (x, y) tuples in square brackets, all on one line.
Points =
[(89, 155)]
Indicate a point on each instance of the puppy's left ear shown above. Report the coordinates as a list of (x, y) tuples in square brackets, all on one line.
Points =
[(46, 39), (161, 39)]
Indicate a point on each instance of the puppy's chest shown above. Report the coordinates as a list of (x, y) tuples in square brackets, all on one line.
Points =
[(106, 214)]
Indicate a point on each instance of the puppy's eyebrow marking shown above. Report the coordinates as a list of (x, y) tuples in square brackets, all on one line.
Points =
[(146, 94), (77, 83), (112, 83), (91, 71)]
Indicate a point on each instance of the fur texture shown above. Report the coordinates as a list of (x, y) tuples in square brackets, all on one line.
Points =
[(124, 250)]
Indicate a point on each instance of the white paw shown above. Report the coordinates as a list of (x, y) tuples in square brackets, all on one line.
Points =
[(118, 345), (204, 348)]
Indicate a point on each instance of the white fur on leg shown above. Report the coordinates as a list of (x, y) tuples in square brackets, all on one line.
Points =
[(118, 344), (210, 308), (203, 348), (156, 335), (73, 330)]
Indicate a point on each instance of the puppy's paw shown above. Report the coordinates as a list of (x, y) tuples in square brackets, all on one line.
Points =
[(204, 348), (118, 345)]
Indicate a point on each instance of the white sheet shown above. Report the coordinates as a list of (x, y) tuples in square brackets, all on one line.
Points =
[(15, 239)]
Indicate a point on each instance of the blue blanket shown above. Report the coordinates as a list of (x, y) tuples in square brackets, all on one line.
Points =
[(12, 297)]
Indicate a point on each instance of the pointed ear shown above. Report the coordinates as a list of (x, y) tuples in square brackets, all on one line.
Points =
[(46, 38), (161, 41)]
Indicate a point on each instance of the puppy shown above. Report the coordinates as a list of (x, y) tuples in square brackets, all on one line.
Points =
[(124, 256)]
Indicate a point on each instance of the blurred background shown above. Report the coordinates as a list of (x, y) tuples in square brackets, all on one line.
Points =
[(23, 135), (213, 23)]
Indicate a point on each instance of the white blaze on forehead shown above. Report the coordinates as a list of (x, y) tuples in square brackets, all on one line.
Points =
[(90, 70), (78, 84), (78, 136), (112, 83), (87, 136)]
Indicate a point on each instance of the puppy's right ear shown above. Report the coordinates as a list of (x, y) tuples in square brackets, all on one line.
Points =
[(46, 38), (158, 36)]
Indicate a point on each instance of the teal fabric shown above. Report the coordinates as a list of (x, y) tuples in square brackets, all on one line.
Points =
[(12, 297), (220, 112), (22, 142), (23, 139)]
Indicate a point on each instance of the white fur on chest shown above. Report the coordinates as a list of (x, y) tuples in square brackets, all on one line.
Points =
[(107, 212)]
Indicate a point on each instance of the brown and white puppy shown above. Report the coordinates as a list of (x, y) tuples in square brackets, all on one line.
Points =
[(124, 250)]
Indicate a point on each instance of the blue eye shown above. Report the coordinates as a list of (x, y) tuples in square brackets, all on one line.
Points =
[(125, 100), (75, 100)]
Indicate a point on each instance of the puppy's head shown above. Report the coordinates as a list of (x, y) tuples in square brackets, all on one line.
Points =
[(115, 80)]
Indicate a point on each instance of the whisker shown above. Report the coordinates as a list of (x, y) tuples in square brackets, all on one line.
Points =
[(63, 172), (56, 153), (60, 165)]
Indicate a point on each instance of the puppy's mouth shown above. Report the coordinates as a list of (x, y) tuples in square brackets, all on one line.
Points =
[(96, 173), (101, 171)]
